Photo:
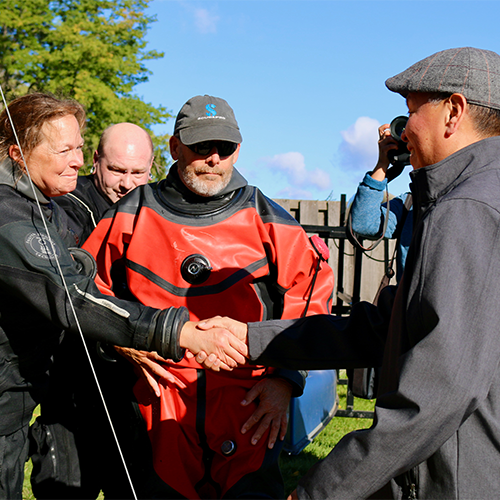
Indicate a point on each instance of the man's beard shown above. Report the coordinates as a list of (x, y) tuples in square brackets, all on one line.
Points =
[(203, 187)]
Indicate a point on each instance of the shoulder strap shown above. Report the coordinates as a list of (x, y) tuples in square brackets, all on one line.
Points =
[(352, 237), (406, 209)]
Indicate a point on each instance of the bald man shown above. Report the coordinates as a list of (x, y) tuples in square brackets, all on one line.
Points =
[(122, 162)]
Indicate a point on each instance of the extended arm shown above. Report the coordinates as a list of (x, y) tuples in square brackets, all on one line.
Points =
[(317, 342), (33, 279)]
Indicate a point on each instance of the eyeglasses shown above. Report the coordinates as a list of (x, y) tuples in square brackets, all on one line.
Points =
[(224, 148)]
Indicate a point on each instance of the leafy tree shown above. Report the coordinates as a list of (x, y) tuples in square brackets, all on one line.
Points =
[(89, 50)]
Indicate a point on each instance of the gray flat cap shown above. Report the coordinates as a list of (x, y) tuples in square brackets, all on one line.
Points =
[(474, 73), (206, 118)]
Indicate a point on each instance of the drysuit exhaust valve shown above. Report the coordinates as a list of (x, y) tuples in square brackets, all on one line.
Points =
[(196, 269)]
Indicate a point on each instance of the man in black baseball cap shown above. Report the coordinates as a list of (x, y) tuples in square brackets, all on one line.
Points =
[(204, 238), (436, 433), (205, 125)]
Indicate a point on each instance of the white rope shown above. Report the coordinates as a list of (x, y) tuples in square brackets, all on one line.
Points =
[(68, 295)]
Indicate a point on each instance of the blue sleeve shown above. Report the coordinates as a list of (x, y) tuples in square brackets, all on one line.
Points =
[(368, 211)]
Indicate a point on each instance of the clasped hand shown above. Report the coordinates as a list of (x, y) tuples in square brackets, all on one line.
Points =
[(218, 343)]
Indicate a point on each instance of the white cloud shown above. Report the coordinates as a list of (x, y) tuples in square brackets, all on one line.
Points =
[(205, 21), (293, 166), (359, 149), (358, 154), (292, 193)]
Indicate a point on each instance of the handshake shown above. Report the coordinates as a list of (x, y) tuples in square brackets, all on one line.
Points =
[(216, 343)]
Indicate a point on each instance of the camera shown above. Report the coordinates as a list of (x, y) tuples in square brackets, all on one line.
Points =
[(400, 155)]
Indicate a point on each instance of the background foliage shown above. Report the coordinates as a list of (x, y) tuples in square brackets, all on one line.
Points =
[(93, 51)]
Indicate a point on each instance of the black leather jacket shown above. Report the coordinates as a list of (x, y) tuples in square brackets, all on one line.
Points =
[(35, 308)]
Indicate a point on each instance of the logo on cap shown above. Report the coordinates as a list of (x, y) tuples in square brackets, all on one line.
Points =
[(211, 113), (211, 109)]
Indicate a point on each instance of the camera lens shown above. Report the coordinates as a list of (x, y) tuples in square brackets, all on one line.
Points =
[(397, 127), (401, 155)]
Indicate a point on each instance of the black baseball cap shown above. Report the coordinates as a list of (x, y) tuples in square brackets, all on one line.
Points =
[(206, 118)]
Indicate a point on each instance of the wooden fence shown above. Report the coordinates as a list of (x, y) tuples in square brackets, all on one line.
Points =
[(357, 274)]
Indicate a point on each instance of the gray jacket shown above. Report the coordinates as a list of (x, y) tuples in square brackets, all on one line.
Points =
[(438, 408)]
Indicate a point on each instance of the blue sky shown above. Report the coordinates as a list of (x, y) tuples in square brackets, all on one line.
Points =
[(305, 77)]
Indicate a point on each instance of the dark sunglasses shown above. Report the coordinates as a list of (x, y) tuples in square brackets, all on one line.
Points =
[(224, 148)]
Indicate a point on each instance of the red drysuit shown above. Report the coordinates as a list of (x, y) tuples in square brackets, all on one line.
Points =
[(261, 267)]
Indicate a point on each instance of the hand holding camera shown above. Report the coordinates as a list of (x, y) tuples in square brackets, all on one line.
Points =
[(392, 150)]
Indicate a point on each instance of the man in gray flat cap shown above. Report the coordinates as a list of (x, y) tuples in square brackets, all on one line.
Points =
[(436, 433)]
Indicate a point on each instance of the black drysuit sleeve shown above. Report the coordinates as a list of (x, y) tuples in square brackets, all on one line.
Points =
[(36, 303)]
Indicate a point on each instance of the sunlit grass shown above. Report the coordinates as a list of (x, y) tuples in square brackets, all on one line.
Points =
[(294, 467)]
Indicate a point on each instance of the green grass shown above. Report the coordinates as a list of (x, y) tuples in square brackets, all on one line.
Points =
[(293, 467), (27, 493)]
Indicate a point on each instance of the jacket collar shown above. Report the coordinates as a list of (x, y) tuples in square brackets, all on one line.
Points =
[(11, 175), (434, 181)]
